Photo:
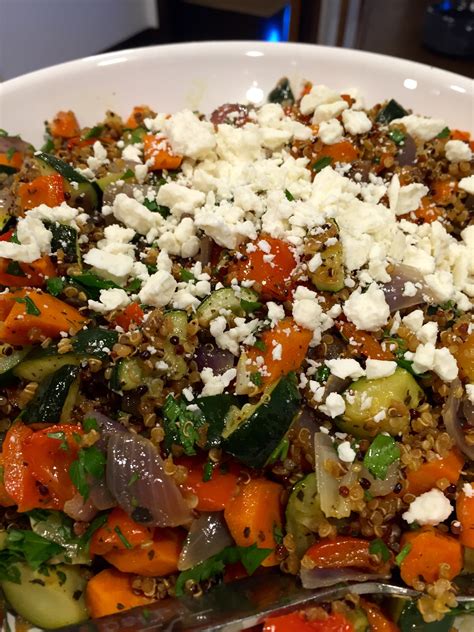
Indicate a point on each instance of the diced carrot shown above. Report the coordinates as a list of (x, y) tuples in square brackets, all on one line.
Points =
[(108, 537), (217, 492), (294, 341), (47, 190), (153, 559), (363, 342), (5, 499), (64, 125), (465, 357), (137, 115), (30, 315), (306, 88), (14, 160), (50, 453), (442, 190), (159, 152), (425, 477), (465, 515), (32, 274), (457, 134), (429, 549), (273, 275), (378, 622), (19, 482), (254, 514), (110, 591), (343, 151), (133, 313), (343, 552), (298, 622), (426, 213)]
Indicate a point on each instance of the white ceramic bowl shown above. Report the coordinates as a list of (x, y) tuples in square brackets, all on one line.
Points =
[(205, 75)]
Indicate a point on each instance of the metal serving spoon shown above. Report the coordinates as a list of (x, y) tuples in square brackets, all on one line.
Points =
[(242, 604)]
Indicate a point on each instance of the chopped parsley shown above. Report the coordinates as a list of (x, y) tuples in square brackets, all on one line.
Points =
[(259, 344), (379, 548), (207, 470), (14, 268), (277, 533), (127, 175), (250, 556), (31, 308), (397, 136), (60, 436), (181, 425), (322, 374), (249, 306), (89, 424), (289, 196), (48, 145), (94, 132), (122, 538), (152, 206), (55, 286), (325, 161), (403, 553), (280, 452), (187, 276), (382, 452), (10, 153), (256, 378), (444, 133), (25, 546), (90, 462)]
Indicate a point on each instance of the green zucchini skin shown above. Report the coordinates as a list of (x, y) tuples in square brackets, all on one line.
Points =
[(225, 298), (65, 238), (390, 112), (49, 601), (52, 402), (260, 430), (176, 322), (303, 513), (127, 374)]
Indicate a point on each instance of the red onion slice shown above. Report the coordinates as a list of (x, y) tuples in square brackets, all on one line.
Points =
[(452, 418), (321, 577), (137, 480), (207, 536), (219, 360), (395, 288), (333, 504), (79, 509)]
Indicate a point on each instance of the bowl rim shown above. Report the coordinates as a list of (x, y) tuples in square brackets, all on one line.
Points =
[(231, 46)]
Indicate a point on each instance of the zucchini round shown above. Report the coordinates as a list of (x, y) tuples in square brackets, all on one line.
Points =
[(224, 299)]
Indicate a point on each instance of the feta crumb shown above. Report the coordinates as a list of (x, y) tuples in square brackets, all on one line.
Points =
[(376, 369), (457, 151), (180, 199), (409, 289), (470, 392), (215, 384), (467, 184), (422, 127), (356, 122), (430, 508), (277, 351), (345, 367), (111, 299), (333, 406), (275, 312), (331, 131), (368, 311), (468, 489), (188, 135), (158, 290), (134, 215), (345, 452)]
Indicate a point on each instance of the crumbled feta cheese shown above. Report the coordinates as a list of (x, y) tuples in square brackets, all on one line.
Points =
[(115, 267), (134, 215), (230, 339), (409, 289), (345, 367), (275, 312), (331, 131), (64, 214), (430, 508), (34, 239), (457, 151), (422, 127), (345, 452), (109, 300), (132, 152), (318, 95), (216, 384), (180, 199), (467, 184), (369, 310), (182, 240), (189, 136), (158, 290), (329, 111), (445, 365), (333, 406), (314, 263), (468, 489), (277, 352), (356, 122), (403, 199), (307, 311), (414, 320), (99, 158), (376, 369), (441, 285), (470, 392)]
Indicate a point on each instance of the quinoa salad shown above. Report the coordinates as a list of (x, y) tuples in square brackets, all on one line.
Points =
[(238, 344)]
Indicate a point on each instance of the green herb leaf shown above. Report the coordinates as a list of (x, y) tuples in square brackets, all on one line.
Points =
[(280, 452), (382, 452), (207, 471), (89, 424), (48, 145), (90, 462), (250, 556), (98, 522), (181, 425), (277, 533), (91, 284), (289, 196), (127, 175), (31, 308), (259, 344), (122, 538), (34, 548), (60, 436), (55, 286), (10, 153), (3, 133), (444, 133), (378, 547), (134, 286), (13, 268), (397, 136), (249, 306), (325, 161), (256, 378), (322, 374), (94, 132), (152, 206), (187, 276), (403, 553)]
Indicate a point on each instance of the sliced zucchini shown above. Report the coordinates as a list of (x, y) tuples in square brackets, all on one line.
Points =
[(329, 275), (59, 528), (65, 239), (252, 433), (358, 618), (49, 601), (10, 358), (397, 394), (38, 366), (96, 342), (176, 324), (304, 514), (127, 375), (282, 93), (81, 193), (55, 398), (391, 111), (226, 299)]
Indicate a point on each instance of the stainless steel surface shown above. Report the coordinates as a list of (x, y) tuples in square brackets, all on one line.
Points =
[(240, 605)]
